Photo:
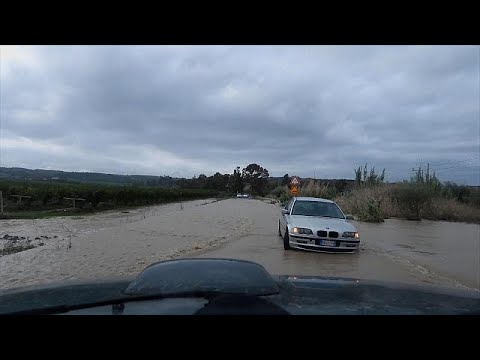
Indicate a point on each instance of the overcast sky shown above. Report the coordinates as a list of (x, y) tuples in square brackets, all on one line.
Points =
[(187, 110)]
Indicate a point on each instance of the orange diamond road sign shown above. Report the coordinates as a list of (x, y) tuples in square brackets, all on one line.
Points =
[(295, 191)]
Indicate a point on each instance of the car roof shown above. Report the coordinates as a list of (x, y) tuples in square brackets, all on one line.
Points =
[(305, 198)]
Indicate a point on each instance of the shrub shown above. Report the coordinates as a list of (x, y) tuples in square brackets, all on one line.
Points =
[(475, 198), (285, 198), (357, 201), (279, 191), (412, 199), (451, 210), (373, 212), (320, 190), (369, 204)]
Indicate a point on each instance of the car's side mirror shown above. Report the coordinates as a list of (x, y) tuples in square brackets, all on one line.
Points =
[(349, 217), (284, 211)]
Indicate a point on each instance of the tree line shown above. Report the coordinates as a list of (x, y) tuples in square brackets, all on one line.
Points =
[(253, 179), (42, 195)]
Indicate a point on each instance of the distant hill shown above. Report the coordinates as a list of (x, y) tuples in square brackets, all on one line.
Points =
[(85, 177), (22, 174)]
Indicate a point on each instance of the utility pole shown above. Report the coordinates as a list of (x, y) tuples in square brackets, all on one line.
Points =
[(422, 170), (20, 198), (79, 199)]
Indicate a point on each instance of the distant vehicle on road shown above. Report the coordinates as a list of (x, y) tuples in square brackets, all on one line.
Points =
[(317, 224), (243, 195)]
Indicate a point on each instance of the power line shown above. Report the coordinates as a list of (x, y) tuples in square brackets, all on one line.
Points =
[(471, 163), (465, 164), (455, 162), (405, 174), (473, 167)]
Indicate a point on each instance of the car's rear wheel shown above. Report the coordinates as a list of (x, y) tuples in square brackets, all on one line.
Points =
[(286, 240)]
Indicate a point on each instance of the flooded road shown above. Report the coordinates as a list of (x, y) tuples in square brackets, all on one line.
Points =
[(428, 252), (116, 243), (444, 248)]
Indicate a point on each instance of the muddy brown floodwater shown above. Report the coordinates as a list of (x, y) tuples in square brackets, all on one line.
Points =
[(434, 248), (115, 244)]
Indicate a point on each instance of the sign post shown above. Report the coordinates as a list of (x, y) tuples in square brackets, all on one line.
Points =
[(295, 186), (80, 199), (20, 198)]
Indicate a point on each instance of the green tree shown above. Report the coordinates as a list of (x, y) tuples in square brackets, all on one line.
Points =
[(372, 179), (218, 182), (236, 181), (202, 180), (257, 177), (358, 176)]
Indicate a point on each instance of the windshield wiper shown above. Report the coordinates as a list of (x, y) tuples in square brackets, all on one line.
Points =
[(58, 309)]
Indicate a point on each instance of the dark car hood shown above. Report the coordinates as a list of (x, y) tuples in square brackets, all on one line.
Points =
[(372, 297), (296, 294)]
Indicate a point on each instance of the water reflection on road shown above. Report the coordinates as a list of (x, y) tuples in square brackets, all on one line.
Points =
[(446, 248)]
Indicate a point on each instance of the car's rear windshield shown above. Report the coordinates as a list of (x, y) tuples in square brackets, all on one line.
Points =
[(316, 208)]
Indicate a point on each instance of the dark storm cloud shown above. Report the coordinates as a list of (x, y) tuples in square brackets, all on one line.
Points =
[(185, 110)]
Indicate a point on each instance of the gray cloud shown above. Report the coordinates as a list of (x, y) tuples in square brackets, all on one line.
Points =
[(184, 110)]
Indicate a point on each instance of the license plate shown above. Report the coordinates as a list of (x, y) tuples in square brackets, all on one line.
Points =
[(328, 243)]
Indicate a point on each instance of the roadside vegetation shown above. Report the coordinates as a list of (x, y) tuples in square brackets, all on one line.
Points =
[(367, 197), (40, 199), (421, 197), (370, 199), (46, 199)]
